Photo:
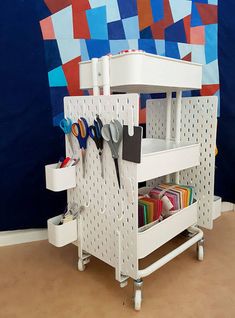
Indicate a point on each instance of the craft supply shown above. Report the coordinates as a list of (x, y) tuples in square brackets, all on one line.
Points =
[(71, 163), (112, 133), (143, 208), (179, 196), (150, 209), (131, 147), (81, 131), (59, 162), (157, 207), (69, 214), (161, 202), (95, 134), (140, 215), (65, 162)]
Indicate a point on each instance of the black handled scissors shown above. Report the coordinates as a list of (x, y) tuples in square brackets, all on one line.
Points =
[(95, 134)]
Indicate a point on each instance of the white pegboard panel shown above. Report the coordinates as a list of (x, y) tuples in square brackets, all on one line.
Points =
[(198, 125), (110, 209)]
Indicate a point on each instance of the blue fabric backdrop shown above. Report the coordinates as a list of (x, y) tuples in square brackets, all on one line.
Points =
[(28, 140), (225, 162)]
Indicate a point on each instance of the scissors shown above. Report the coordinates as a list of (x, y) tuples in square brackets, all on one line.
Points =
[(112, 133), (66, 126), (95, 134), (81, 131)]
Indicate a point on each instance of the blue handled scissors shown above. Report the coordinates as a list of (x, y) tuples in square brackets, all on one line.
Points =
[(95, 134), (66, 126), (81, 131)]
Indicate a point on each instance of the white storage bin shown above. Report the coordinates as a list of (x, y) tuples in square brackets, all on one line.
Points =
[(162, 232), (160, 157), (60, 179), (140, 72), (61, 235)]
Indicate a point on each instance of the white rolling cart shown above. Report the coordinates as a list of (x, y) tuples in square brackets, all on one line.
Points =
[(180, 145)]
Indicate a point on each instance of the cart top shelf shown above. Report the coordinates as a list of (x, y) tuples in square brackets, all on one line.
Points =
[(140, 72)]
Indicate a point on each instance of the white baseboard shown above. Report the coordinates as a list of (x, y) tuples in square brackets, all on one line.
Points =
[(227, 206), (22, 236)]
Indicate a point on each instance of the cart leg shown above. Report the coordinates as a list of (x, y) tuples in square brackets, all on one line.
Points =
[(200, 249), (137, 293), (82, 261)]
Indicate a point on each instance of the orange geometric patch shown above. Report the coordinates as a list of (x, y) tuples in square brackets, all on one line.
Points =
[(145, 13), (47, 29), (197, 35)]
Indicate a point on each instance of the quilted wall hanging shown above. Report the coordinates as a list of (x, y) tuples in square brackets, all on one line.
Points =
[(78, 30)]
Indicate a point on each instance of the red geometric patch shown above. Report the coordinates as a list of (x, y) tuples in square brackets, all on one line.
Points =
[(142, 115), (208, 13), (71, 71), (187, 22), (208, 90), (158, 28), (55, 6), (187, 57), (80, 24)]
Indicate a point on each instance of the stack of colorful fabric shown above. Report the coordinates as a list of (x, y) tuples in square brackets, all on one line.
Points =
[(163, 201), (149, 210)]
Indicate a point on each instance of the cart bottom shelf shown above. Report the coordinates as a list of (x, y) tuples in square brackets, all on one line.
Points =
[(154, 237)]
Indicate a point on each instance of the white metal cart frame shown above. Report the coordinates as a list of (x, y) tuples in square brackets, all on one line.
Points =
[(108, 222)]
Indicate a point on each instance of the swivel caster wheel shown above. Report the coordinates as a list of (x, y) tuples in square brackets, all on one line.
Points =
[(137, 299), (200, 253), (137, 294), (124, 283), (81, 265), (200, 250)]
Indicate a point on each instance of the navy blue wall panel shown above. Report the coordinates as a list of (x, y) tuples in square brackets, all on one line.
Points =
[(225, 161), (27, 138)]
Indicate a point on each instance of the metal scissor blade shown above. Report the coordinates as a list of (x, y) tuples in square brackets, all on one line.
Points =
[(117, 171), (101, 163), (83, 161), (113, 149)]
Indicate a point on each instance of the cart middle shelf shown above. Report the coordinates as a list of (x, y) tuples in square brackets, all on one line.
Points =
[(160, 157)]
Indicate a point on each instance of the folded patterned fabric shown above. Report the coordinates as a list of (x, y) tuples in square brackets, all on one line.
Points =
[(163, 201)]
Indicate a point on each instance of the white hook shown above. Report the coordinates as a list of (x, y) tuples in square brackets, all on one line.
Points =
[(130, 121), (121, 217), (102, 210), (129, 189), (87, 203)]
